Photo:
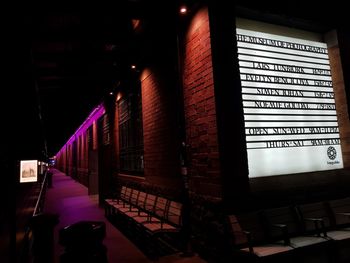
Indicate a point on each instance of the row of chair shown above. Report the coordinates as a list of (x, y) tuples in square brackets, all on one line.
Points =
[(313, 232), (149, 212)]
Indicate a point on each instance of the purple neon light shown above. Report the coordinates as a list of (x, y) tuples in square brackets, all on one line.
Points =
[(93, 116)]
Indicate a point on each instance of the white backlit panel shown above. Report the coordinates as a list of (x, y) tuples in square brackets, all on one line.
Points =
[(290, 116)]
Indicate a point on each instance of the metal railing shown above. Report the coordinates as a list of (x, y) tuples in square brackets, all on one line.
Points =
[(41, 198), (27, 255)]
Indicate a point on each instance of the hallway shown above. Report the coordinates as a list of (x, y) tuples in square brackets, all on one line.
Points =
[(71, 201)]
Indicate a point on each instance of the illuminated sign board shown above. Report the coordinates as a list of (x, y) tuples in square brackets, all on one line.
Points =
[(290, 114), (28, 171)]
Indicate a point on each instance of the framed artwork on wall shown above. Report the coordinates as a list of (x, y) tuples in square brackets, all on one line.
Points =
[(28, 171)]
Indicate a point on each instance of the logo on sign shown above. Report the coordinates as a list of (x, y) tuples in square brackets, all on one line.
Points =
[(331, 152)]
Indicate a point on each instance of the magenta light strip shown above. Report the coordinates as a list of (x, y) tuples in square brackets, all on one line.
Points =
[(93, 116)]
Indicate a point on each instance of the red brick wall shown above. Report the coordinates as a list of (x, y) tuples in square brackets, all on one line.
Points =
[(61, 159), (82, 159), (160, 129), (70, 159), (199, 106), (115, 135), (341, 103)]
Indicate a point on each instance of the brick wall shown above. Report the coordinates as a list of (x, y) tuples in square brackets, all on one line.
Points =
[(341, 102), (199, 106), (115, 134), (82, 159), (160, 128)]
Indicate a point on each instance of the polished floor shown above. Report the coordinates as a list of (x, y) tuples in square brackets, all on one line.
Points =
[(71, 201)]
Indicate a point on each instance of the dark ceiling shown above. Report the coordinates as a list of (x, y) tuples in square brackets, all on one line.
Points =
[(71, 61), (75, 59)]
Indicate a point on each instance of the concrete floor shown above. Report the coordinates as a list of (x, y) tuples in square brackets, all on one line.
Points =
[(71, 201)]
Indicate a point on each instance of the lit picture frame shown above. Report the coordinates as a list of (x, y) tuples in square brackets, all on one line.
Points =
[(28, 171)]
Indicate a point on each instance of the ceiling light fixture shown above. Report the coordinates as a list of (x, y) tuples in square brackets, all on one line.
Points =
[(183, 10), (135, 23)]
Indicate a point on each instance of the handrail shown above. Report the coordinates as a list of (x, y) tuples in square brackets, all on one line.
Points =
[(27, 254), (38, 206)]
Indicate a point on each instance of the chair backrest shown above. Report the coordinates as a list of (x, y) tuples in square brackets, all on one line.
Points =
[(123, 191), (314, 210), (127, 195), (282, 216), (252, 223), (237, 235), (340, 206), (174, 213), (141, 199), (161, 207), (150, 202), (134, 196)]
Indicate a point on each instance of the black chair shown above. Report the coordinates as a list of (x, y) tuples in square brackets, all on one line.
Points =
[(250, 244)]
